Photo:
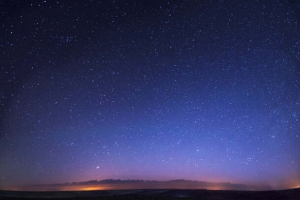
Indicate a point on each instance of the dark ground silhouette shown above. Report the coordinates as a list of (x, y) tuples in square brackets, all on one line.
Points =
[(293, 194)]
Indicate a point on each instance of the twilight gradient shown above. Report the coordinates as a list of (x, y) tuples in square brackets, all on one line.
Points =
[(150, 90)]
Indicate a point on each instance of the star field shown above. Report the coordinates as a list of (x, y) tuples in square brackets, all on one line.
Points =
[(150, 90)]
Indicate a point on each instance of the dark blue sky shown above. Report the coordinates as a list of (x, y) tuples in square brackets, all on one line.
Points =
[(151, 90)]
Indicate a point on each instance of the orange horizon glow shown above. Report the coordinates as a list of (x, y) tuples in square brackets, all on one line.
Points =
[(145, 185), (91, 188), (58, 188), (95, 188), (98, 188)]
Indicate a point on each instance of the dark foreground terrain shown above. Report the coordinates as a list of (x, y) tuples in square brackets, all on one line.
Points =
[(157, 194)]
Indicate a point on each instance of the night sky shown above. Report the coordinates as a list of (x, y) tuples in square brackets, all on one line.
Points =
[(150, 90)]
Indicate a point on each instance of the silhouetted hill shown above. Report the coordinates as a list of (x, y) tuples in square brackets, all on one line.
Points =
[(117, 184)]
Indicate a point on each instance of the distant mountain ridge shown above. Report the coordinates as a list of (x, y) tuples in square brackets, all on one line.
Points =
[(119, 184)]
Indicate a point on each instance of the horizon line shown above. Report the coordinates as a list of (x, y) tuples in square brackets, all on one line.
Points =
[(134, 184)]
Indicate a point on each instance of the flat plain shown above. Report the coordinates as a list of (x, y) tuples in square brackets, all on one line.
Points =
[(292, 194)]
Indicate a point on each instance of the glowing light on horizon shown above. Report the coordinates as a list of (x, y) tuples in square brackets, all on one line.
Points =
[(91, 188)]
